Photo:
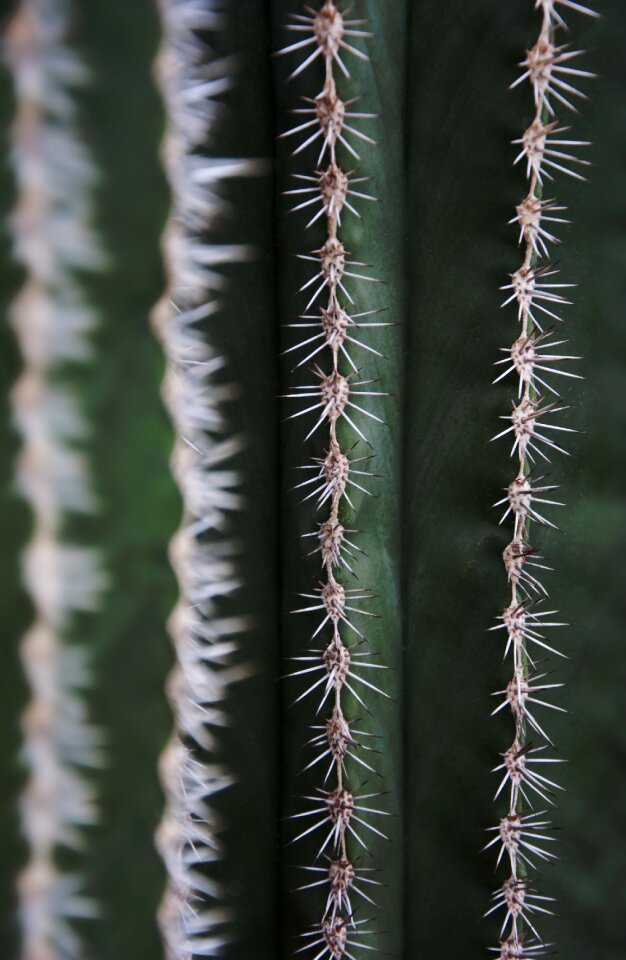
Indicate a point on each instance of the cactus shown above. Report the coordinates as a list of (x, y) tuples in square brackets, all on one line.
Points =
[(52, 321), (342, 811), (524, 835), (201, 551), (195, 852)]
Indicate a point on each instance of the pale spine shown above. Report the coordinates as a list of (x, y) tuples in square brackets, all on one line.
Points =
[(53, 321), (193, 916), (524, 835), (342, 812)]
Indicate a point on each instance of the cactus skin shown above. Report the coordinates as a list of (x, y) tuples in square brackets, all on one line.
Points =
[(246, 333), (462, 198), (129, 448), (14, 532), (458, 250)]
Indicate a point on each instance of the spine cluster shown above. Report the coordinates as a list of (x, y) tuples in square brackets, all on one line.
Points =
[(331, 327), (191, 915), (53, 322), (523, 833)]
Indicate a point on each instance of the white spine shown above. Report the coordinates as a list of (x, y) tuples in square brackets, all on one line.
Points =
[(332, 329), (535, 357), (191, 915), (52, 321)]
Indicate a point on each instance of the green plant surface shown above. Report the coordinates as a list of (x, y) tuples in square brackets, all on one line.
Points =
[(129, 452), (438, 238), (14, 531), (463, 187)]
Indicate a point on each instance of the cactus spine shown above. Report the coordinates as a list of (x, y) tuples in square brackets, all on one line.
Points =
[(331, 326), (524, 835), (202, 553), (52, 320)]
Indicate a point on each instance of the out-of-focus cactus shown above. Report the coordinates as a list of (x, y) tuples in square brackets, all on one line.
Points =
[(202, 551), (52, 322)]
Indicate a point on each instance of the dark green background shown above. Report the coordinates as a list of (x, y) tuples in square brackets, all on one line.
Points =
[(438, 236)]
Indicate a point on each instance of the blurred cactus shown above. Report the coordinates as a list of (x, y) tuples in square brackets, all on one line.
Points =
[(52, 322), (202, 550), (93, 405)]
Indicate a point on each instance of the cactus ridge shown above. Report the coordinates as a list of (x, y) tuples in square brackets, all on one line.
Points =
[(193, 916), (523, 838), (331, 326), (53, 320)]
